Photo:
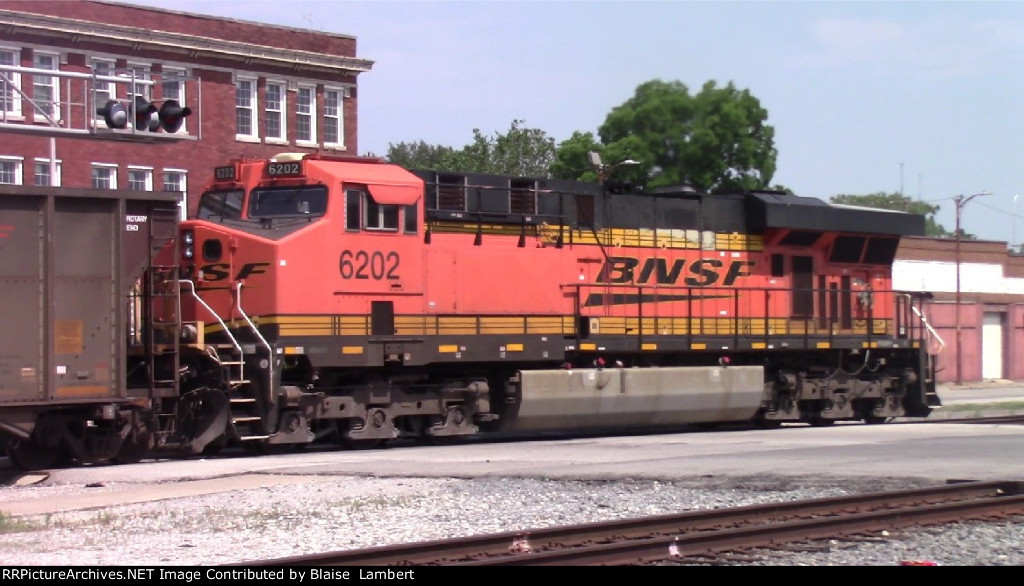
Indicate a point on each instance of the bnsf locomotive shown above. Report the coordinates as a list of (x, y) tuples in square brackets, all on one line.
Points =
[(344, 299)]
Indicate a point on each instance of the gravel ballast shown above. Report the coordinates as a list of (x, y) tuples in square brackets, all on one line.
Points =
[(332, 513)]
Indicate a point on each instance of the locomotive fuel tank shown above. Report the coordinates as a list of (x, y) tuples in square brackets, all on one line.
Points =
[(620, 398)]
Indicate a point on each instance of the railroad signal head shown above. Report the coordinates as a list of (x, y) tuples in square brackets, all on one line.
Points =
[(172, 114), (143, 112), (114, 114)]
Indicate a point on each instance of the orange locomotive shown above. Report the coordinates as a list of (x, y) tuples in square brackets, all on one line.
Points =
[(346, 299)]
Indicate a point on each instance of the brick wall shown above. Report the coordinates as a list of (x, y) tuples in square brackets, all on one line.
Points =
[(218, 143)]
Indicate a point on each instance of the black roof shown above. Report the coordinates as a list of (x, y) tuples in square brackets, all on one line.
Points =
[(768, 209)]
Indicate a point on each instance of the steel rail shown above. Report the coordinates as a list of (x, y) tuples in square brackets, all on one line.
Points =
[(528, 547)]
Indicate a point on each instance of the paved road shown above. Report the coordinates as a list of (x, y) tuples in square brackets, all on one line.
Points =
[(934, 452)]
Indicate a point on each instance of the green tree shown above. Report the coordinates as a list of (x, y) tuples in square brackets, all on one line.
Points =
[(522, 151), (902, 203), (420, 155), (716, 140)]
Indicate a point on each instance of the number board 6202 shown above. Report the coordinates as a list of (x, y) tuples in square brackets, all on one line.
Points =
[(287, 169)]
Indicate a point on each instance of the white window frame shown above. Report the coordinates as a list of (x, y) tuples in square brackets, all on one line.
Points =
[(17, 169), (305, 112), (46, 81), (280, 109), (146, 174), (14, 112), (46, 163), (253, 107), (104, 90), (335, 111), (111, 179), (172, 87), (180, 187)]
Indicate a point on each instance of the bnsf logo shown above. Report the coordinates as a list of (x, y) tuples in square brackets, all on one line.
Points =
[(703, 272), (220, 271)]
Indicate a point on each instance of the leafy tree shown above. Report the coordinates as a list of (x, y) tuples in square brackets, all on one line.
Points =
[(420, 155), (522, 151), (902, 203), (714, 140)]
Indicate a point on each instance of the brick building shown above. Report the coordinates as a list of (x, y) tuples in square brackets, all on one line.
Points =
[(986, 339), (253, 90)]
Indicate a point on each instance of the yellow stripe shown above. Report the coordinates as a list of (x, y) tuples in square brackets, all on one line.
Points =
[(698, 346), (759, 345), (514, 347), (823, 345), (351, 349), (448, 348), (648, 346), (588, 346)]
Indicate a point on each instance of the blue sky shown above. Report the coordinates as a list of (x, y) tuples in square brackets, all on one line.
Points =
[(926, 97)]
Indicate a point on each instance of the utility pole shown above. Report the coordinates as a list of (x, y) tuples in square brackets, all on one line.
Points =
[(960, 201)]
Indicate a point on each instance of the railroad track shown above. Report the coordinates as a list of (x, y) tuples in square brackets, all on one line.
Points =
[(696, 535)]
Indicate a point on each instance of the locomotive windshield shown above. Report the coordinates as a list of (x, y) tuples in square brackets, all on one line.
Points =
[(221, 204), (278, 202)]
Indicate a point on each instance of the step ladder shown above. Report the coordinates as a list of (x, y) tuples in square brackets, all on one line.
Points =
[(246, 410), (162, 298)]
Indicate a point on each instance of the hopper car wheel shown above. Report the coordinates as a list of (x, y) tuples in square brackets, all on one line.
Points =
[(135, 447), (875, 419), (30, 455), (822, 422)]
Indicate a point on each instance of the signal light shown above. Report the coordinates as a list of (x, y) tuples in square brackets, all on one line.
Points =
[(143, 112), (172, 114), (145, 116), (114, 114)]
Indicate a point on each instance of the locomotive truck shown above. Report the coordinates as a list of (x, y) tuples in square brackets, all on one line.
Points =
[(323, 298)]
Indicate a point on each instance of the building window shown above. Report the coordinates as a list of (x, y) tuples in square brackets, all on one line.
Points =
[(10, 84), (305, 109), (140, 179), (43, 175), (275, 109), (104, 176), (10, 170), (137, 73), (245, 108), (105, 90), (334, 124), (172, 87), (176, 180), (45, 89)]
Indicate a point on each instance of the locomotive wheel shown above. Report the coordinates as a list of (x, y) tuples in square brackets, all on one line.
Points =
[(30, 455)]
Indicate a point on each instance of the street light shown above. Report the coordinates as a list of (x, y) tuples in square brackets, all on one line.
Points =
[(960, 201), (605, 171), (1014, 243)]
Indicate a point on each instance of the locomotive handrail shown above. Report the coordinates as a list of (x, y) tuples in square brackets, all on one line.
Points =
[(227, 331), (255, 330), (928, 326)]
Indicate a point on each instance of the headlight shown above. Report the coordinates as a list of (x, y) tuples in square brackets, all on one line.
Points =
[(188, 237), (188, 252)]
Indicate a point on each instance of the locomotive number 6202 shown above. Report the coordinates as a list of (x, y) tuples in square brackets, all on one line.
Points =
[(376, 265)]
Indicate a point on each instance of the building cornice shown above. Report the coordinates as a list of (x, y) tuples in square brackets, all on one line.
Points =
[(75, 31)]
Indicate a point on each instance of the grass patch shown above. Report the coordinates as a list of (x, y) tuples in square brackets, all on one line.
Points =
[(12, 524)]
